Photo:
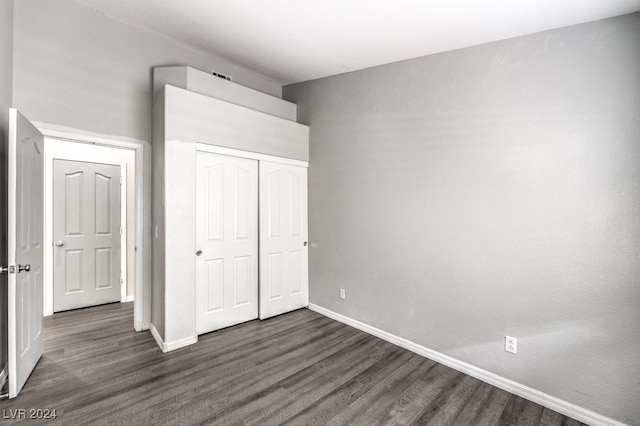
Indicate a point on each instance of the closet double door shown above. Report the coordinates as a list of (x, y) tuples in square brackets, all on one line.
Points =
[(251, 240)]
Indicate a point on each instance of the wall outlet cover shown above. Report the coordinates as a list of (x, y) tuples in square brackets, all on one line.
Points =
[(511, 344)]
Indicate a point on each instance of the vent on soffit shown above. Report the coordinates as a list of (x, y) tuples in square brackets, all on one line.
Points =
[(222, 76)]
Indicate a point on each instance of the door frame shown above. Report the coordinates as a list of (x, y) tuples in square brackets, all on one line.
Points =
[(142, 205), (72, 151)]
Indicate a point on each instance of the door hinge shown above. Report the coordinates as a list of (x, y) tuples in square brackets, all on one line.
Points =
[(121, 282), (120, 181)]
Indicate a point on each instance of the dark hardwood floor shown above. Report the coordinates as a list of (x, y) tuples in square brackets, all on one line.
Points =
[(299, 368)]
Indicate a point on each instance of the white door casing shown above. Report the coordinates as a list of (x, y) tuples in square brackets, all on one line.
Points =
[(284, 282), (25, 240), (87, 234), (226, 255), (138, 193)]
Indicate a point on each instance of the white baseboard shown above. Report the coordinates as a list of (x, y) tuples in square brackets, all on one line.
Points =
[(140, 326), (171, 346), (551, 402), (177, 344), (157, 337), (129, 298)]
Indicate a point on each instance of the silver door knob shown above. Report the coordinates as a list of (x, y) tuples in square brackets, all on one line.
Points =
[(25, 268), (199, 253), (59, 243)]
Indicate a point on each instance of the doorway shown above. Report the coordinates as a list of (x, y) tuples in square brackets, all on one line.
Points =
[(28, 161), (60, 152)]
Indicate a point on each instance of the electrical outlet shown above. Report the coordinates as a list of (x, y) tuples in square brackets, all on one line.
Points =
[(511, 344), (343, 294)]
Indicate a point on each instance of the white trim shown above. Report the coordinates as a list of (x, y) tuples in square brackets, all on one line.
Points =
[(177, 344), (142, 301), (214, 149), (74, 135), (56, 149), (546, 400), (156, 336), (171, 346), (129, 298), (124, 243)]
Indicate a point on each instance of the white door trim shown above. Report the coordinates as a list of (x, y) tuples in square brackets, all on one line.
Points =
[(142, 149), (65, 150), (214, 149)]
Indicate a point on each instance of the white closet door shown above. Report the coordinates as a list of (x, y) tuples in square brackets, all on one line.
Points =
[(284, 282), (226, 241)]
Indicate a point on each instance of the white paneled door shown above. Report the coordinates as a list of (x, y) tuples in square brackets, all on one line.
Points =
[(283, 239), (86, 234), (25, 250), (226, 251)]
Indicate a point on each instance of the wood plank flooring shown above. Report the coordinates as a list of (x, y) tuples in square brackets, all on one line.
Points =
[(298, 369)]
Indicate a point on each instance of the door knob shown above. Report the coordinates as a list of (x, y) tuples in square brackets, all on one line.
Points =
[(25, 268), (59, 243), (304, 244), (199, 253)]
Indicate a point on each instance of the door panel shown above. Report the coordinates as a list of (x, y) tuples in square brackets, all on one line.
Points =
[(274, 268), (214, 276), (25, 251), (86, 234), (243, 280), (103, 193), (73, 271), (283, 239), (73, 199), (227, 236)]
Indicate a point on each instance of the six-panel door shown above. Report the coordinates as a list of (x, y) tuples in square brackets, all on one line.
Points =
[(86, 234), (25, 250), (226, 252), (283, 239)]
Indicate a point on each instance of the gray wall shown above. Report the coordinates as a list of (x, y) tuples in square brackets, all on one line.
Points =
[(487, 191), (6, 68), (78, 68)]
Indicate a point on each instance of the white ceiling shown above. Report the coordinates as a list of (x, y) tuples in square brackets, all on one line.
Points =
[(296, 40)]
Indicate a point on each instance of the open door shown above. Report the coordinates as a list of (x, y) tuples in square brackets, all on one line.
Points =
[(25, 249)]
